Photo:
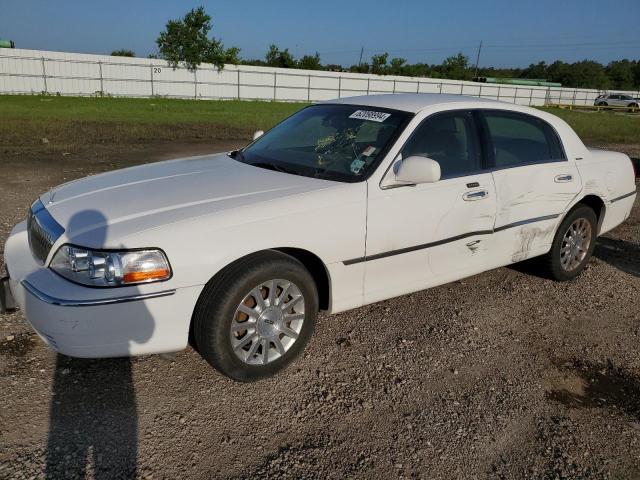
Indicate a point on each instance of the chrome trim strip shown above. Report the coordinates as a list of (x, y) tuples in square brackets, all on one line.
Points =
[(414, 248), (87, 303), (624, 196), (525, 222), (446, 240)]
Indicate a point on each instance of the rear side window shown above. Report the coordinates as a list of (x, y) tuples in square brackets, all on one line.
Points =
[(449, 139), (520, 139)]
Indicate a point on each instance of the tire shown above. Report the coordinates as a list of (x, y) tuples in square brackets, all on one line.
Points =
[(219, 317), (633, 107), (556, 264)]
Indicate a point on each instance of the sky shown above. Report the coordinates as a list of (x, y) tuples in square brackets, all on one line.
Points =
[(514, 33)]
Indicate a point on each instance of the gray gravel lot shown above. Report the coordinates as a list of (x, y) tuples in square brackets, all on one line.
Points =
[(502, 375)]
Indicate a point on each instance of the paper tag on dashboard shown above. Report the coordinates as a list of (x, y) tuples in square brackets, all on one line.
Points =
[(370, 115), (370, 150)]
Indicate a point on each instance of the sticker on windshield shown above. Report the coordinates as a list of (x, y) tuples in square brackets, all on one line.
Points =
[(370, 115), (356, 166)]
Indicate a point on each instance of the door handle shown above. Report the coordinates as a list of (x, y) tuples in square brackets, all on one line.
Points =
[(563, 178), (475, 195)]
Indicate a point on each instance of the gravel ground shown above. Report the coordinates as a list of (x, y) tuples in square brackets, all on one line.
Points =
[(502, 375)]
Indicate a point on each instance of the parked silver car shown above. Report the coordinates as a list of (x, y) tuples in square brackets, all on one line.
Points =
[(616, 100)]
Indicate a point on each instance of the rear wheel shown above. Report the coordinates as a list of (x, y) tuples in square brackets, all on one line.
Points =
[(256, 316), (573, 245), (633, 107)]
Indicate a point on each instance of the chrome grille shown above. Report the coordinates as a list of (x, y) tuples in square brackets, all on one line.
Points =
[(43, 231)]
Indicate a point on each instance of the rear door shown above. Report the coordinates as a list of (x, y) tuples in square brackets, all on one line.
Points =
[(616, 101), (534, 182)]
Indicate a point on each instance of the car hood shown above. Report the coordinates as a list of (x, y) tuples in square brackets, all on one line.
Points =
[(100, 210)]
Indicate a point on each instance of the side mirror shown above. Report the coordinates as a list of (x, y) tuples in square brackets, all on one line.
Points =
[(415, 169), (258, 134)]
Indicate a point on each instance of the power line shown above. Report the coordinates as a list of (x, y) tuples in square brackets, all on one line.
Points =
[(582, 44), (591, 45)]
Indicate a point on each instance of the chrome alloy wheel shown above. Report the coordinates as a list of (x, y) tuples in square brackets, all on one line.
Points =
[(267, 322), (575, 244)]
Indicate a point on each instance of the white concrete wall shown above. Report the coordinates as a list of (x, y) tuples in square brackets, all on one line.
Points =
[(35, 71)]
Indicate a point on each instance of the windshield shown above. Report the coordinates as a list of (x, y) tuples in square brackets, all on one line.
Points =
[(333, 142)]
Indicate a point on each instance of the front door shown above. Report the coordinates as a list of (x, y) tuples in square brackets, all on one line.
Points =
[(423, 235)]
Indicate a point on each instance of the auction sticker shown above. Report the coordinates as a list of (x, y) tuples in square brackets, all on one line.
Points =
[(370, 115)]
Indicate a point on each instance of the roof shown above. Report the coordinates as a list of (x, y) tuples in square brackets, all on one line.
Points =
[(412, 102)]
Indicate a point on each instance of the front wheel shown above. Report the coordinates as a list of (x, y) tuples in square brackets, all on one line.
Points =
[(573, 245), (256, 316)]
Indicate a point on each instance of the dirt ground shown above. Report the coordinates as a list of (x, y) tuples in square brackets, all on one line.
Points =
[(502, 375)]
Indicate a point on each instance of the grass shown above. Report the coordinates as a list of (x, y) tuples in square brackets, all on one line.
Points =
[(232, 113), (24, 119), (601, 127)]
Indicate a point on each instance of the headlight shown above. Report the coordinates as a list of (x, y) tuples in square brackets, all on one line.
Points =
[(101, 268)]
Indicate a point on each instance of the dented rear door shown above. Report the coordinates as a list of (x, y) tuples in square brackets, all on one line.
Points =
[(534, 180)]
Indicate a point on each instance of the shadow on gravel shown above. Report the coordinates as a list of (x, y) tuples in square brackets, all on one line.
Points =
[(622, 255), (590, 385), (93, 420)]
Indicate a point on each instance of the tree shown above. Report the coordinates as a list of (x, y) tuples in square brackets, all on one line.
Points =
[(456, 67), (396, 66), (590, 74), (636, 75), (310, 62), (360, 68), (621, 73), (379, 63), (185, 40), (279, 58), (123, 53), (232, 55), (538, 70)]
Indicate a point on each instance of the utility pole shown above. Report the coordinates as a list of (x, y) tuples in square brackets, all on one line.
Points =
[(361, 52), (478, 59)]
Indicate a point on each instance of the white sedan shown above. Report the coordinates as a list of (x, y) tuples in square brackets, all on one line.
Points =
[(344, 203)]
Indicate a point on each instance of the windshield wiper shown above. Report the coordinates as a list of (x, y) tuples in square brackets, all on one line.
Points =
[(277, 168)]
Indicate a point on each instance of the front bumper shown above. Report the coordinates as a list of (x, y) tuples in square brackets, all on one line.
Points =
[(93, 322)]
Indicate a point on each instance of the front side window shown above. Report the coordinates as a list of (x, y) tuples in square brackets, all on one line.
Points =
[(520, 139), (450, 140), (333, 142)]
